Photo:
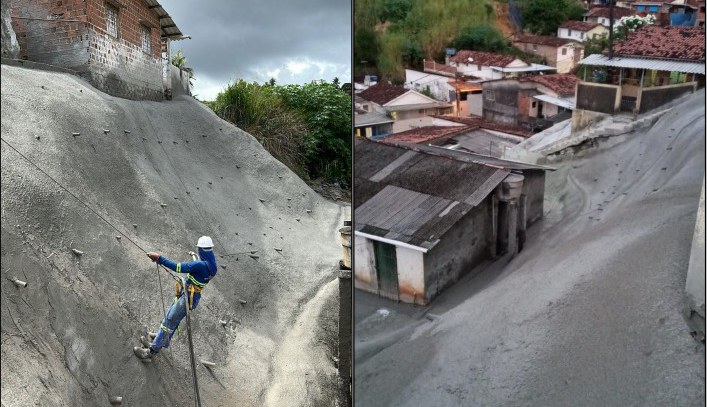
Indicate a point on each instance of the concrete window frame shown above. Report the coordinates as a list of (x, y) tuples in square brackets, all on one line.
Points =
[(490, 95), (146, 38), (112, 20)]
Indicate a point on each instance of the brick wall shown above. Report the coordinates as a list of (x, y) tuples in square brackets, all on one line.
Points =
[(118, 66), (45, 35)]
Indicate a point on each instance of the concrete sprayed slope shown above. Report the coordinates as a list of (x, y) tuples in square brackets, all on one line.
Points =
[(67, 337), (588, 314)]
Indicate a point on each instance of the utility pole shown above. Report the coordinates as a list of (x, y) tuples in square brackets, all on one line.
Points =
[(611, 29)]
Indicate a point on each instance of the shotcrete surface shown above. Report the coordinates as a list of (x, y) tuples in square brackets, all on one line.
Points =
[(67, 337), (588, 314)]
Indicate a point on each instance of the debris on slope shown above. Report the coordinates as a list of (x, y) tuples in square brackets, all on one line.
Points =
[(90, 296)]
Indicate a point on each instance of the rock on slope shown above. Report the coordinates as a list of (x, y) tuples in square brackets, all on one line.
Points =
[(67, 337), (588, 314)]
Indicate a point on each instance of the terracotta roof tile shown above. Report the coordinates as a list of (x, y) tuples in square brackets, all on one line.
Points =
[(652, 41), (543, 40), (604, 12), (425, 134), (579, 25), (482, 58), (562, 84), (382, 93)]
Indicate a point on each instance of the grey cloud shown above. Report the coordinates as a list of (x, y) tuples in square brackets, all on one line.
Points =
[(232, 39)]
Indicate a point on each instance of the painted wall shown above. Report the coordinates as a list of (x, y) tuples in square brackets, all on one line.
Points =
[(364, 265), (475, 104), (464, 246), (534, 190), (581, 36), (438, 85), (414, 118), (500, 102), (411, 275)]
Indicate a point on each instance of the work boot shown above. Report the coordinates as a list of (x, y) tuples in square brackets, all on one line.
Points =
[(145, 342), (144, 353)]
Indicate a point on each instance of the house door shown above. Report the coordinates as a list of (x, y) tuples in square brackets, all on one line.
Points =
[(386, 267), (540, 110)]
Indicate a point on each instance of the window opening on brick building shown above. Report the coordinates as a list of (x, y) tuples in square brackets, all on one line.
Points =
[(112, 20), (146, 44)]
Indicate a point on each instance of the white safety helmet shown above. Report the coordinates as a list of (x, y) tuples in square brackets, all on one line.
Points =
[(205, 242)]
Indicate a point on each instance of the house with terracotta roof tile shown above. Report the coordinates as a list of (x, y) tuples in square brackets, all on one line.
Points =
[(561, 53), (581, 30), (649, 68), (484, 65), (600, 15), (534, 102), (405, 106)]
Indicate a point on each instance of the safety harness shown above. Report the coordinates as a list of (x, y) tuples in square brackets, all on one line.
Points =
[(194, 287)]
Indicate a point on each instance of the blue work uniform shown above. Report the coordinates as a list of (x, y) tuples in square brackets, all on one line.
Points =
[(199, 273)]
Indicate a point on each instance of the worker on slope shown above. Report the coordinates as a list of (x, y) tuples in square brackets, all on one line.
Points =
[(199, 273)]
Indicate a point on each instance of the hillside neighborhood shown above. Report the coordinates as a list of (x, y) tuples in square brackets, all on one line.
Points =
[(483, 164)]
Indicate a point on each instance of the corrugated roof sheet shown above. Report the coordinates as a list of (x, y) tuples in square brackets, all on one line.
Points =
[(645, 63), (531, 68), (567, 103), (168, 27), (579, 25), (367, 119), (414, 197)]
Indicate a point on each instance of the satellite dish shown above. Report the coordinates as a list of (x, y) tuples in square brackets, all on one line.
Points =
[(470, 59)]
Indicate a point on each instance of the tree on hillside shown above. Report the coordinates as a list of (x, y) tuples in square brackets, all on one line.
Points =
[(481, 38), (545, 16), (180, 61), (366, 46), (327, 112), (629, 24), (395, 10)]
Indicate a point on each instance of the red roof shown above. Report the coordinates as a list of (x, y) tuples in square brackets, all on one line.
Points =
[(563, 84), (652, 41), (604, 12), (425, 134), (382, 93), (579, 25), (543, 40), (482, 58)]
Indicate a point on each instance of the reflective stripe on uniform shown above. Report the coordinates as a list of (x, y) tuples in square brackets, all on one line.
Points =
[(164, 328), (196, 283), (179, 267)]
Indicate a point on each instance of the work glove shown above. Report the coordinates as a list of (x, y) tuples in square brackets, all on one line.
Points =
[(153, 256)]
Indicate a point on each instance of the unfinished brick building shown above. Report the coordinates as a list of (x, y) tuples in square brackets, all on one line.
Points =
[(120, 46)]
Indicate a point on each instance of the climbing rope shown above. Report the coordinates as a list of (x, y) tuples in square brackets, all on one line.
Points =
[(159, 279), (181, 281)]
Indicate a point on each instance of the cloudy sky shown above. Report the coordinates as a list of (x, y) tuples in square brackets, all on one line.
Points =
[(291, 41)]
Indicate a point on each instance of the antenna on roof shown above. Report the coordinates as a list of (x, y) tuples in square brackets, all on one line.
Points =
[(611, 28)]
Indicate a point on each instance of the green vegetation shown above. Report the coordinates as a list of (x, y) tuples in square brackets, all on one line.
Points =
[(180, 61), (545, 16), (306, 127), (392, 34)]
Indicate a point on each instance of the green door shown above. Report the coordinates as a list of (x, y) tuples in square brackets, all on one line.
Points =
[(386, 267)]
